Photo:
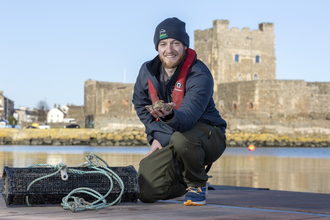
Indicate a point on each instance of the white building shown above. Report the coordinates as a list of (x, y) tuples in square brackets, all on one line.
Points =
[(56, 115), (20, 114)]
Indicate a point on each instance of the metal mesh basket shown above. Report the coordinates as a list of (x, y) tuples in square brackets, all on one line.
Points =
[(15, 182)]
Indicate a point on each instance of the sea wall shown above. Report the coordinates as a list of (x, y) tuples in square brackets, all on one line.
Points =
[(57, 137), (136, 137)]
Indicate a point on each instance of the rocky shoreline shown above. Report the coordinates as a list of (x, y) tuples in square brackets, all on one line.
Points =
[(136, 137)]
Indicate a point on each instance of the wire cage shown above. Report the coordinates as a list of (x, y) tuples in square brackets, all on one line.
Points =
[(15, 182)]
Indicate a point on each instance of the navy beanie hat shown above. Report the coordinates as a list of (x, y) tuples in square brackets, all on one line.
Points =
[(171, 28)]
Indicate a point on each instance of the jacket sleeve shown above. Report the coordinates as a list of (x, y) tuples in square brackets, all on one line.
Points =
[(199, 91), (155, 130)]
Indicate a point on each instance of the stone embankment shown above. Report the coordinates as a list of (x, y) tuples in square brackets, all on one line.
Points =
[(240, 138), (126, 137), (137, 137)]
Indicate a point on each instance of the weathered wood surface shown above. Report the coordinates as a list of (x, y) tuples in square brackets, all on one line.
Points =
[(224, 203)]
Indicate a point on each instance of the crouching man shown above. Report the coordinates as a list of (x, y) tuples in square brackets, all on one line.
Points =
[(186, 135)]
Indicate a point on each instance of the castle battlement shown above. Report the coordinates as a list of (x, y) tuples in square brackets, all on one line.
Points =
[(224, 25), (266, 26)]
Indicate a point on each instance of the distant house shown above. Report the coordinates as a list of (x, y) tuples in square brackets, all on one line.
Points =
[(20, 114), (57, 114), (31, 116), (6, 107)]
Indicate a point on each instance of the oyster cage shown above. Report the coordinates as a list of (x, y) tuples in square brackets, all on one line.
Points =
[(51, 190)]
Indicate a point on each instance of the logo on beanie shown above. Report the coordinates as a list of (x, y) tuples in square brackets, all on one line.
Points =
[(162, 34)]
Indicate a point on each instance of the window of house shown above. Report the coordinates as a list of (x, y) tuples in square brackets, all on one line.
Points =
[(257, 59), (239, 76), (236, 58), (255, 76)]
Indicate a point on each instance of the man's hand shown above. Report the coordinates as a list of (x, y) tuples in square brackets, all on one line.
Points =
[(157, 114), (155, 144)]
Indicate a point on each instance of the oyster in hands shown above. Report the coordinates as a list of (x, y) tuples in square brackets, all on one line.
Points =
[(159, 105)]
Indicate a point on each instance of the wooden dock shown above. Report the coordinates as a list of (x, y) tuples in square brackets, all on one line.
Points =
[(224, 202)]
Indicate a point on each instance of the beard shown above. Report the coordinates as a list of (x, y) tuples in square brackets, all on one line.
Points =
[(170, 65)]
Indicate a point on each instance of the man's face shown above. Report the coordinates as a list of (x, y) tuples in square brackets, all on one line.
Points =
[(171, 52)]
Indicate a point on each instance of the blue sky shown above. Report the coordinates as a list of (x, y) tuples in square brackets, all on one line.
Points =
[(49, 48)]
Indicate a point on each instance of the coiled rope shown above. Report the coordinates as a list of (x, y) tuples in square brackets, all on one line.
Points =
[(79, 204)]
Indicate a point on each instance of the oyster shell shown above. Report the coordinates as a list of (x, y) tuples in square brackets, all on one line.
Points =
[(159, 105)]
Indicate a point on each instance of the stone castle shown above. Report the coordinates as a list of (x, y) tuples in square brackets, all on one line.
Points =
[(243, 64)]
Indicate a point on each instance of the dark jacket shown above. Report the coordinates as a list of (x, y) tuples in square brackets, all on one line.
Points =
[(197, 105)]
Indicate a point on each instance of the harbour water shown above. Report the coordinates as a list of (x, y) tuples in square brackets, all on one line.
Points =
[(289, 169)]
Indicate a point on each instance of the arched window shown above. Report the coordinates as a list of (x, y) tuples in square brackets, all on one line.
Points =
[(255, 76), (257, 59), (239, 76), (236, 58)]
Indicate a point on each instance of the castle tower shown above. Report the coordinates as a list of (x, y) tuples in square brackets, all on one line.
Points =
[(237, 55)]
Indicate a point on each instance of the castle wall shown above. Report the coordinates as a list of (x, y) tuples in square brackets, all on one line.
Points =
[(278, 105), (106, 101), (108, 98), (90, 97), (275, 99), (217, 48)]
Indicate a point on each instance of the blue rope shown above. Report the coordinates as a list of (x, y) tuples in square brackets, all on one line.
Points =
[(79, 204)]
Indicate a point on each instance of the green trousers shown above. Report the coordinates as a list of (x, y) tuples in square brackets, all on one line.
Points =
[(167, 172)]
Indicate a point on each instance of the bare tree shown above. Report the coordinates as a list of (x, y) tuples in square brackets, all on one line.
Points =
[(42, 108)]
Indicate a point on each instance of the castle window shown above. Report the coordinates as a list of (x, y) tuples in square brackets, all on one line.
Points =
[(236, 58), (239, 76), (234, 107), (255, 76), (257, 59)]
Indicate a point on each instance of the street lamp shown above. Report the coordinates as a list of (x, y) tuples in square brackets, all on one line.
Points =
[(250, 38)]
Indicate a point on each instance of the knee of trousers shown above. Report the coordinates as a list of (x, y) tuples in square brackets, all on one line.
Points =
[(180, 143)]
